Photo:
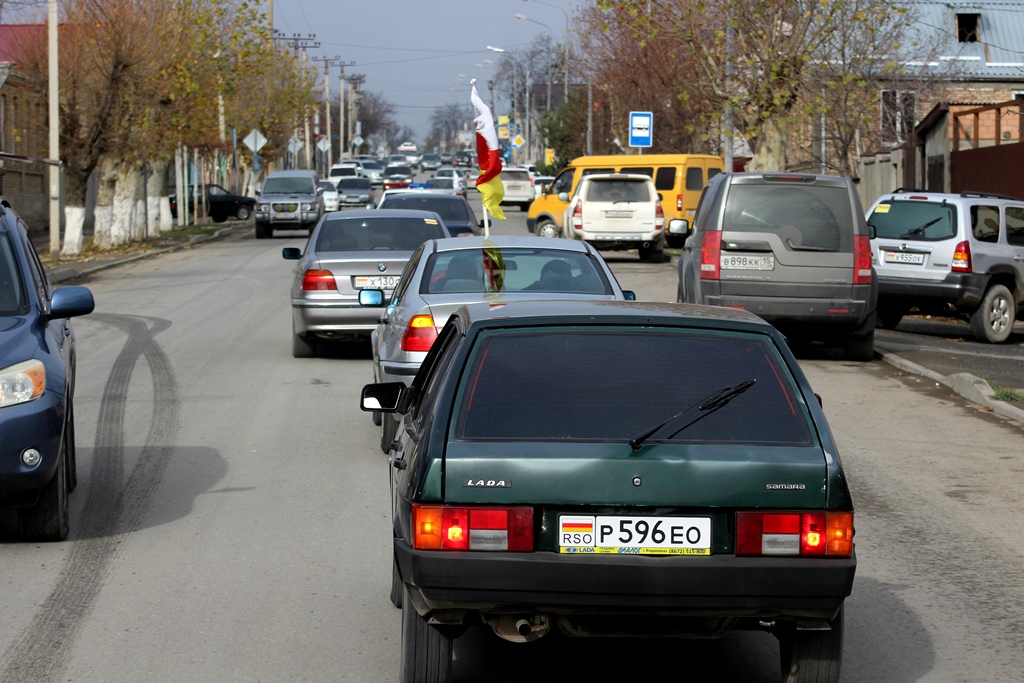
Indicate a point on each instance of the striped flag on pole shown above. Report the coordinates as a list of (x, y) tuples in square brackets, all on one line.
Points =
[(492, 191)]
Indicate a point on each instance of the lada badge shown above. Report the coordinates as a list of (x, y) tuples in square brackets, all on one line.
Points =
[(488, 483)]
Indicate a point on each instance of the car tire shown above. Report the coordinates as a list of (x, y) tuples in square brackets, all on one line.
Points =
[(377, 417), (48, 519), (426, 649), (219, 218), (812, 656), (243, 213), (889, 317), (263, 231), (548, 228), (993, 321), (388, 432), (654, 254), (69, 447), (397, 585), (303, 347), (525, 206), (860, 347)]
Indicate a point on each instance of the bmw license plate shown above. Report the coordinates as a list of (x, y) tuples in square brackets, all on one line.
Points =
[(739, 262), (376, 281), (634, 535), (903, 257), (618, 214)]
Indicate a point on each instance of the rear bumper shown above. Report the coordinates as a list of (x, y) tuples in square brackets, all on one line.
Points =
[(832, 312), (720, 585), (333, 320), (961, 292), (620, 240)]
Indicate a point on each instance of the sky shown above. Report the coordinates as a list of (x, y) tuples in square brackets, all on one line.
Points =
[(414, 51)]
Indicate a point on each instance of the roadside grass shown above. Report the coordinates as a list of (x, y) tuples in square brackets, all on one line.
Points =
[(1002, 393)]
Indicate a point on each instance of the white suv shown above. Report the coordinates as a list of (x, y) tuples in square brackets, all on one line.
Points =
[(617, 211), (950, 254)]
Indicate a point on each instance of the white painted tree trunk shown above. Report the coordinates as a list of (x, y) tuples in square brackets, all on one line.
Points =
[(74, 220), (166, 220), (770, 155), (123, 227), (103, 234)]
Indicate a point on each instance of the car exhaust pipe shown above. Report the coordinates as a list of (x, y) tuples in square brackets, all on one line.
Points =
[(519, 628)]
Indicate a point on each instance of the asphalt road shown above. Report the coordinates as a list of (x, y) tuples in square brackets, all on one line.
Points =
[(231, 522)]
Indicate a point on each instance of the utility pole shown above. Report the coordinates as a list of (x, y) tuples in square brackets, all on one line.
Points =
[(355, 80), (329, 62), (298, 43)]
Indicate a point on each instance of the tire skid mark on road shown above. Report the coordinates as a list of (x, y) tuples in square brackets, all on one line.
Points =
[(114, 506)]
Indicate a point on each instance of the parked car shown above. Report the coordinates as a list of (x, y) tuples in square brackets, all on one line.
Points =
[(220, 204), (550, 474), (355, 192), (791, 248), (347, 252), (616, 212), (541, 183), (451, 184), (330, 195), (464, 158), (518, 188), (454, 209), (950, 254), (38, 362), (445, 274), (430, 162), (397, 176), (288, 200)]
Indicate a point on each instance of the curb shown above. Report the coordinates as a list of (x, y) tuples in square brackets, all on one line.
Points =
[(73, 271), (968, 386)]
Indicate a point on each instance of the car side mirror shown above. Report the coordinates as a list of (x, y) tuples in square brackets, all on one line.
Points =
[(679, 226), (319, 191), (371, 205), (68, 302), (291, 253), (371, 297), (629, 295), (385, 397), (872, 233), (661, 197), (563, 196)]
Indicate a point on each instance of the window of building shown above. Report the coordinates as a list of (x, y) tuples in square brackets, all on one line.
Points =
[(898, 115), (967, 27)]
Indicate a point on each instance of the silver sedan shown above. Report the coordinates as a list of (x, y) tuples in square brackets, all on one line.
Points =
[(347, 252), (445, 274)]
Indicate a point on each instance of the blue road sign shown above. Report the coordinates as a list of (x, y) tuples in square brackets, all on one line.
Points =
[(641, 128)]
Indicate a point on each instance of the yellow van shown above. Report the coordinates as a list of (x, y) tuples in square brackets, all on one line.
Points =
[(679, 179)]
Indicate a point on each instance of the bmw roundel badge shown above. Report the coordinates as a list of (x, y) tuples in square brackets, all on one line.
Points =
[(382, 267)]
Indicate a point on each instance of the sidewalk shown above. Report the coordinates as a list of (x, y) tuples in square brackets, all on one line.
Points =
[(94, 260)]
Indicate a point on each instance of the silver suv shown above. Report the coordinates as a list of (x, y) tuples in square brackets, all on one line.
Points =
[(950, 254), (791, 248), (288, 200)]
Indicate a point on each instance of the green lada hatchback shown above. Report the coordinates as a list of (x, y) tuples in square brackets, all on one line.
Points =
[(554, 472)]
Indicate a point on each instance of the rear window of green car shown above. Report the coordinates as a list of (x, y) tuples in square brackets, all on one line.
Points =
[(611, 384)]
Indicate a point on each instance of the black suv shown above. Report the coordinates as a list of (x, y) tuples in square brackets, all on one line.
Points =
[(791, 248)]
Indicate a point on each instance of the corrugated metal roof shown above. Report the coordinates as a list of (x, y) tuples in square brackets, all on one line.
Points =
[(998, 53)]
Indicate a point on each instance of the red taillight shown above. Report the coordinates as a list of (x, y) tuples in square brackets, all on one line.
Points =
[(679, 202), (472, 528), (318, 281), (659, 216), (794, 533), (710, 255), (962, 258), (861, 260), (577, 216), (419, 334)]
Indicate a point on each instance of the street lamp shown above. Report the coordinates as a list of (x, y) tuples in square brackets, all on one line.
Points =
[(566, 15)]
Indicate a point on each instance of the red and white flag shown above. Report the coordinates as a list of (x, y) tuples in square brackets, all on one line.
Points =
[(488, 153)]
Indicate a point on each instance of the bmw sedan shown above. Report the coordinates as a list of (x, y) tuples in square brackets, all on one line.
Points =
[(347, 252), (454, 209), (37, 387), (443, 275), (615, 469)]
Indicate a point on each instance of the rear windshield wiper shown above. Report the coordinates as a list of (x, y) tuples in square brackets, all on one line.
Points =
[(921, 228), (697, 411)]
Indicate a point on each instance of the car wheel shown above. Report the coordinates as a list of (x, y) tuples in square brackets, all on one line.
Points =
[(889, 317), (388, 431), (303, 347), (47, 520), (263, 231), (860, 347), (219, 218), (547, 229), (426, 649), (993, 321), (243, 213), (654, 254), (376, 414), (525, 206), (812, 656), (397, 586)]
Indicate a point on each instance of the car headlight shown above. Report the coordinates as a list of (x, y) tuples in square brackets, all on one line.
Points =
[(22, 382), (263, 207), (307, 207)]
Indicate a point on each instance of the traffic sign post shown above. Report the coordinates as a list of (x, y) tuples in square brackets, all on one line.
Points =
[(641, 129)]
